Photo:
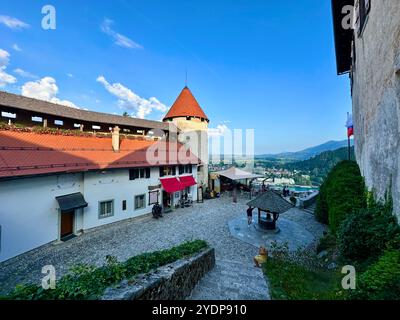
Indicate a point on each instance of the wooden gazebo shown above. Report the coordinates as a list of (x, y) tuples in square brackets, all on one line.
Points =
[(272, 204)]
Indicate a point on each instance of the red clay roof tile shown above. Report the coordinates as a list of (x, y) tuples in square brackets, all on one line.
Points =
[(186, 105), (25, 153)]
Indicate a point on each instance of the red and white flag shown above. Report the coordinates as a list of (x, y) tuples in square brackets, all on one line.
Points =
[(349, 125)]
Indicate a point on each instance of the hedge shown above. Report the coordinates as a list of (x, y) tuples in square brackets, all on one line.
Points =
[(381, 281), (86, 282), (342, 192), (367, 233)]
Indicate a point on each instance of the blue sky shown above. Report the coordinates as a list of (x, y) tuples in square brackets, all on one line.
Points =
[(264, 65)]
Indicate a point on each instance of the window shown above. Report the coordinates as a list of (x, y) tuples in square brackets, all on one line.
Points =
[(185, 169), (140, 173), (140, 202), (167, 171), (106, 209), (153, 197), (9, 115), (94, 127), (123, 205), (58, 122), (37, 119), (364, 6), (188, 118)]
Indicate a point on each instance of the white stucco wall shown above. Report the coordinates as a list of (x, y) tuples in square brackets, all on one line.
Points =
[(115, 185), (29, 214), (376, 99)]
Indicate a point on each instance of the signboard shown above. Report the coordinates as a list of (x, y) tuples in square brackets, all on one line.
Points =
[(153, 197), (200, 194)]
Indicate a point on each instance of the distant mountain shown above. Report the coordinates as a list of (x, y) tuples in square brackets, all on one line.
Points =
[(306, 153), (319, 166)]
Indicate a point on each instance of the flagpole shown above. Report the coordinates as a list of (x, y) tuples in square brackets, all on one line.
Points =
[(348, 144)]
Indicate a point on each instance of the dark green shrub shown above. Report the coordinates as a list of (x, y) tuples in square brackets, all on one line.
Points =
[(88, 282), (321, 209), (327, 242), (342, 192), (365, 234), (381, 281)]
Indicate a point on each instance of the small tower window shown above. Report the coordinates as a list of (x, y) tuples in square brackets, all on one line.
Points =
[(188, 118)]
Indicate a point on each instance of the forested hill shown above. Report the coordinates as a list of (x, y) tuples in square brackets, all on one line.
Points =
[(319, 166)]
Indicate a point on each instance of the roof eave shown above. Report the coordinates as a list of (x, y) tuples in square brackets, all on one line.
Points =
[(343, 37)]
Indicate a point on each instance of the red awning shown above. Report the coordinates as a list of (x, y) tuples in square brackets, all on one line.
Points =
[(171, 185), (187, 181)]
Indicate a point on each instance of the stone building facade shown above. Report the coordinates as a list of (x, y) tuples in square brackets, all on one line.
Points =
[(370, 53)]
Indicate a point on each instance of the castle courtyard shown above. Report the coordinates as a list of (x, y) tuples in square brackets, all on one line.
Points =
[(234, 276)]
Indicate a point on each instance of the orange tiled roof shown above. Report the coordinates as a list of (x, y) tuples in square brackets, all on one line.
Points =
[(27, 153), (185, 105)]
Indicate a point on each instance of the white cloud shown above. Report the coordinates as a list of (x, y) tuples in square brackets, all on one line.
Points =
[(13, 23), (45, 89), (70, 75), (219, 131), (4, 58), (5, 78), (118, 38), (129, 100), (25, 74), (16, 47)]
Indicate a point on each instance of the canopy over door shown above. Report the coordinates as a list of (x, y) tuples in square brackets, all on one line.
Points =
[(171, 185), (71, 202), (187, 181)]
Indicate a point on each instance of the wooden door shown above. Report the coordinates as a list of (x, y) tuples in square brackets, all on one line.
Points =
[(67, 224)]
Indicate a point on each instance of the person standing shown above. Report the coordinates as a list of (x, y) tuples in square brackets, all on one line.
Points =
[(250, 215)]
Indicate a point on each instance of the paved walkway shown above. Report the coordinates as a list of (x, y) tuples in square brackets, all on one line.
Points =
[(234, 276)]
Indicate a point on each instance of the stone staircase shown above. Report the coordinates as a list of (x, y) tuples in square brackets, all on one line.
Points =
[(310, 209), (232, 280)]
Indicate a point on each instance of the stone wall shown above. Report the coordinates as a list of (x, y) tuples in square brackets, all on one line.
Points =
[(376, 99), (174, 281)]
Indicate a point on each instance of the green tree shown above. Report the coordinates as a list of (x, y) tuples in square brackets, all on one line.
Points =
[(342, 193)]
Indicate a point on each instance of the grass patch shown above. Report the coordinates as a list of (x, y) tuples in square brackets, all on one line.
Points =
[(300, 276), (86, 282), (289, 281)]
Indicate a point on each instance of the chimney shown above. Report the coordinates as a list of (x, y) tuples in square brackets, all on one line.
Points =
[(115, 138)]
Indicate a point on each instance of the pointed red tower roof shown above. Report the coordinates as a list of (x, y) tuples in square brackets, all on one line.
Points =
[(185, 105)]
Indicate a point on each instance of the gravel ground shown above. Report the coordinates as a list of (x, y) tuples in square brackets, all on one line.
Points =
[(127, 238)]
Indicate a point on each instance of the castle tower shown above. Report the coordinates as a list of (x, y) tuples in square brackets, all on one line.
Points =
[(190, 119)]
